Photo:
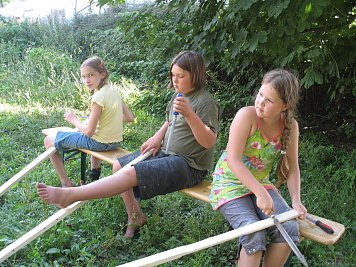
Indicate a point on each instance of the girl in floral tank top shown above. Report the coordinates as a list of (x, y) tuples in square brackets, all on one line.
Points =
[(260, 137), (260, 156)]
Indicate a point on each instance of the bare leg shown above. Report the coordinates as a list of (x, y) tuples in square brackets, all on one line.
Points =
[(108, 186), (252, 260), (136, 218), (57, 162), (95, 162), (276, 254)]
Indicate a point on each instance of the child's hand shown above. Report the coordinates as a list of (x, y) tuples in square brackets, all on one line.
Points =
[(71, 117), (265, 203), (153, 144), (182, 106), (299, 207)]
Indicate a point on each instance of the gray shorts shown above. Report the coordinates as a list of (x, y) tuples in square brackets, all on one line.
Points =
[(74, 140), (243, 211), (162, 174)]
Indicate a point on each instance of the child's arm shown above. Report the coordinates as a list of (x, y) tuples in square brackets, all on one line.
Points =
[(202, 133), (155, 141), (241, 128), (293, 179), (127, 114), (87, 129)]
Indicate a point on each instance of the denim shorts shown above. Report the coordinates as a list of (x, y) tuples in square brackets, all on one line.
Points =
[(243, 211), (162, 174), (74, 140)]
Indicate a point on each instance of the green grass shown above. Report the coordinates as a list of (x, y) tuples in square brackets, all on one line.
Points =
[(92, 236)]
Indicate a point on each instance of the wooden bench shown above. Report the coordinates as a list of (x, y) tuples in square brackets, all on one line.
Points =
[(202, 191)]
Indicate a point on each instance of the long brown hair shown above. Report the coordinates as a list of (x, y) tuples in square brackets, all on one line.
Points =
[(287, 86)]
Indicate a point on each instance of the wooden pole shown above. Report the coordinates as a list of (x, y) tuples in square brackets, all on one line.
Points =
[(55, 218), (178, 252), (21, 174), (38, 230)]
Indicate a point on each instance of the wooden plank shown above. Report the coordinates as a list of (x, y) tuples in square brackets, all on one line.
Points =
[(38, 230), (108, 156), (315, 233), (307, 229), (55, 218), (200, 191), (21, 174), (181, 251)]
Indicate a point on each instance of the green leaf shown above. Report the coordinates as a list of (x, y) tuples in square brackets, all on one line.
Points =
[(311, 77), (245, 4), (276, 9), (308, 8), (287, 59), (53, 251), (262, 37)]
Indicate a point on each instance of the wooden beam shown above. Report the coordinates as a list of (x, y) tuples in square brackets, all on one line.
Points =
[(178, 252), (52, 220), (21, 174), (38, 230)]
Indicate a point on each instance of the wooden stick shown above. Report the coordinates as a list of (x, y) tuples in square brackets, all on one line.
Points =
[(21, 174), (178, 252), (55, 218), (38, 230)]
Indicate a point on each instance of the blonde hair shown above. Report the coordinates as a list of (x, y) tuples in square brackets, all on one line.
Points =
[(98, 64), (287, 86)]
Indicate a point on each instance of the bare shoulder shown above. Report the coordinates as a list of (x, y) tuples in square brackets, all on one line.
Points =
[(246, 119), (248, 112)]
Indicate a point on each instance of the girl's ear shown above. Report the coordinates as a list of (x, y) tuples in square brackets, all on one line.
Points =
[(285, 107)]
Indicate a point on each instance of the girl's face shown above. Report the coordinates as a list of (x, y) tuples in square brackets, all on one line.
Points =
[(91, 78), (181, 80), (268, 104)]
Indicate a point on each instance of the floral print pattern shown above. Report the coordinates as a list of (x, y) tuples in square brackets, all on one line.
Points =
[(259, 157)]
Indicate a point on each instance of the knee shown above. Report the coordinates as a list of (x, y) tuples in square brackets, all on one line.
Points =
[(116, 166), (48, 141), (291, 228), (254, 242)]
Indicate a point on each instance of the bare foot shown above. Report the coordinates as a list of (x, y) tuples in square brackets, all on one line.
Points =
[(53, 195), (134, 224)]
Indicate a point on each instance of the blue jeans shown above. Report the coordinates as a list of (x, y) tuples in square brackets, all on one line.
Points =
[(74, 140)]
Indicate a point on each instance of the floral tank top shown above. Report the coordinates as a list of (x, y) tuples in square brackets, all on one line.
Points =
[(260, 156)]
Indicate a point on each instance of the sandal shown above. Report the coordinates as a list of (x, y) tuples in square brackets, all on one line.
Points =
[(133, 229), (94, 174)]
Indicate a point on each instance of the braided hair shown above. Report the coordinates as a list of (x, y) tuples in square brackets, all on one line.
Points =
[(287, 86)]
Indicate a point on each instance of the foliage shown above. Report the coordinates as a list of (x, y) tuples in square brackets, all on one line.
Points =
[(39, 80), (241, 40)]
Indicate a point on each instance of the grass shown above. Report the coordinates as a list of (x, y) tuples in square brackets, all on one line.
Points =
[(92, 236)]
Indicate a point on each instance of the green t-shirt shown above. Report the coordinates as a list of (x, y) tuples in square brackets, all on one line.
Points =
[(183, 142)]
